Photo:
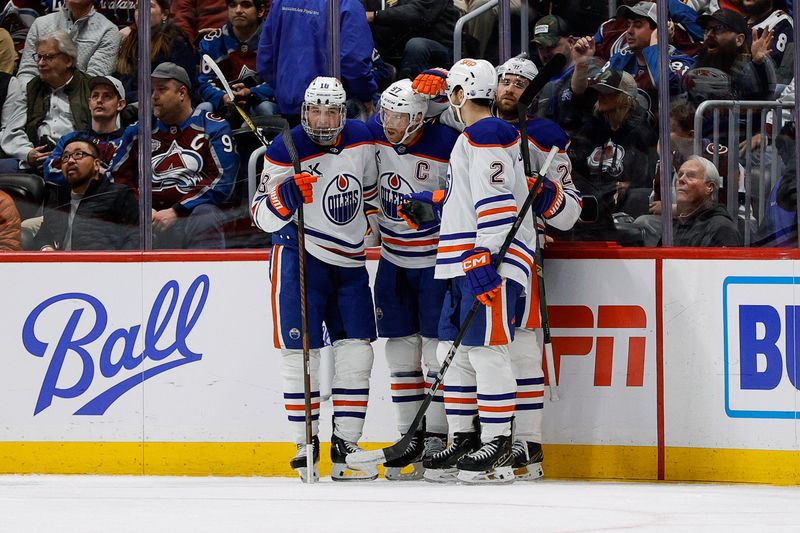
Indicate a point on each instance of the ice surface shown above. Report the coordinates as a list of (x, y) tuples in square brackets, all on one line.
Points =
[(119, 504)]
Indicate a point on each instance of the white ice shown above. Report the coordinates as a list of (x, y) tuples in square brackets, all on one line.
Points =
[(120, 504)]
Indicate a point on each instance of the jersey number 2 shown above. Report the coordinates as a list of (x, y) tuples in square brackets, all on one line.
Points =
[(497, 172)]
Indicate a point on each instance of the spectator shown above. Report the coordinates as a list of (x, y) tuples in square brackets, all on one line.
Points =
[(96, 38), (90, 213), (106, 102), (233, 47), (196, 17), (194, 165), (686, 33), (748, 73), (764, 18), (414, 34), (701, 221), (167, 44), (53, 104), (614, 152), (10, 229), (641, 58), (293, 51), (8, 55), (16, 16)]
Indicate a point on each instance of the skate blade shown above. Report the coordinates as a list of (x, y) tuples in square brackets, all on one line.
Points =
[(303, 473), (341, 472), (500, 475), (440, 476), (530, 472), (365, 459), (412, 472)]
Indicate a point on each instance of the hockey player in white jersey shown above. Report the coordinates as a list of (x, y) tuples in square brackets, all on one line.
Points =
[(339, 176), (561, 212), (486, 188), (412, 157)]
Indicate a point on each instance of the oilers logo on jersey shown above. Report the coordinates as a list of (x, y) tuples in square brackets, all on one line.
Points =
[(177, 168), (342, 199), (393, 188)]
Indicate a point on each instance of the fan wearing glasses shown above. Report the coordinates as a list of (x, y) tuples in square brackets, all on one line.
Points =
[(90, 212)]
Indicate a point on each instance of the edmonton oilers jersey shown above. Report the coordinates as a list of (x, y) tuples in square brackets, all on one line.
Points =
[(486, 189), (335, 223), (403, 169)]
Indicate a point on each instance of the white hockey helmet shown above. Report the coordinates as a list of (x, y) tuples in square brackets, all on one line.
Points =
[(399, 97), (519, 66), (324, 94), (476, 77)]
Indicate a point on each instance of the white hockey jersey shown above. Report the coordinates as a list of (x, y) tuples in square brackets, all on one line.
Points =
[(486, 189), (335, 223), (420, 166)]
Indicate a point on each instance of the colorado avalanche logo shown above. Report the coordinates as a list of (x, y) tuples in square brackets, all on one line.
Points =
[(342, 199), (177, 168), (393, 188), (608, 158)]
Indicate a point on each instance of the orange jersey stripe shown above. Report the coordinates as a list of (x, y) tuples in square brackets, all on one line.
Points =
[(496, 210), (456, 248), (532, 394), (349, 403), (459, 400), (295, 407), (426, 242), (407, 386), (497, 333), (498, 409), (276, 259)]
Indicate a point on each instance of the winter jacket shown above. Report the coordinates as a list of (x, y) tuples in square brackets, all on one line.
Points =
[(293, 50), (709, 227), (10, 233), (95, 36), (107, 219)]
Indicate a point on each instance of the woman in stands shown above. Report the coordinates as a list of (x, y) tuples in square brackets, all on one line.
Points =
[(167, 44)]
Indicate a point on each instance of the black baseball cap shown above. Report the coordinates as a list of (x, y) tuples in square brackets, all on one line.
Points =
[(727, 17)]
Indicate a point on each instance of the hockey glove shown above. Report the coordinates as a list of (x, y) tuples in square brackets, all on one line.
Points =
[(422, 210), (482, 277), (431, 82), (549, 199), (287, 196)]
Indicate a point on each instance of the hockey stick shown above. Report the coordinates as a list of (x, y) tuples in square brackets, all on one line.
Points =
[(301, 244), (210, 63), (522, 114), (371, 457)]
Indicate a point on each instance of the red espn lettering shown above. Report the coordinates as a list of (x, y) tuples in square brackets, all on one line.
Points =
[(608, 316)]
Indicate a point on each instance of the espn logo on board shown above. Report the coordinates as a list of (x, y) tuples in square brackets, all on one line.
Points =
[(609, 333), (761, 326)]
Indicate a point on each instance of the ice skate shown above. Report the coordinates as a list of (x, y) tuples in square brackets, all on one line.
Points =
[(441, 467), (408, 467), (340, 471), (526, 460), (298, 462), (491, 463)]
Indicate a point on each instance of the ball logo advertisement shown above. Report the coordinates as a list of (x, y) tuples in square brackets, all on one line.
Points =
[(102, 354)]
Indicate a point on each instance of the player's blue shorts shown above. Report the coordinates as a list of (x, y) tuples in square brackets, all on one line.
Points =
[(491, 326), (338, 296), (407, 300)]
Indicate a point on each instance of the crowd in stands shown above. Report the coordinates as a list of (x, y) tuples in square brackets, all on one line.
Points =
[(69, 93)]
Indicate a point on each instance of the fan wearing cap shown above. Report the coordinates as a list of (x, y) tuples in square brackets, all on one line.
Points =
[(641, 58), (194, 165), (106, 102), (614, 153), (728, 65), (686, 34), (763, 17)]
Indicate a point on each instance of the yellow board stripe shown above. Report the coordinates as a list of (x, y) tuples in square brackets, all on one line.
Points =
[(564, 461)]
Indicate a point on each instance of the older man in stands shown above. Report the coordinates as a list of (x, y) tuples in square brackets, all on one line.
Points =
[(701, 221), (54, 103), (194, 165), (91, 212), (97, 39)]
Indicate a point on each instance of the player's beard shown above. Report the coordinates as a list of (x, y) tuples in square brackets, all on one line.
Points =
[(722, 58)]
